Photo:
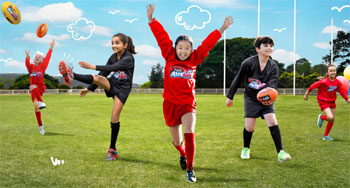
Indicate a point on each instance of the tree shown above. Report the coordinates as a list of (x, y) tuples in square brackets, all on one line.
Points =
[(157, 76), (210, 72), (320, 69), (146, 85), (341, 51), (23, 82), (302, 67)]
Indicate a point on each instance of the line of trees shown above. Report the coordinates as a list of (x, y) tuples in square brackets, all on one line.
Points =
[(210, 72)]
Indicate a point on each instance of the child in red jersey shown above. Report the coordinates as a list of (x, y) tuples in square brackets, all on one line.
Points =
[(37, 85), (179, 106), (326, 97)]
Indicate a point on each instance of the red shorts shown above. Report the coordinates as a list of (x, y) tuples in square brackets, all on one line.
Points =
[(173, 112), (41, 89), (326, 104)]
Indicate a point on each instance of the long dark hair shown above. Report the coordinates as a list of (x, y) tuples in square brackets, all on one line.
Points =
[(126, 40)]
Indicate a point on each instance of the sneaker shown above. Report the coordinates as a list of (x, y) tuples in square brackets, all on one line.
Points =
[(327, 138), (112, 155), (283, 156), (319, 121), (41, 105), (66, 72), (41, 129), (183, 162), (245, 154), (191, 178)]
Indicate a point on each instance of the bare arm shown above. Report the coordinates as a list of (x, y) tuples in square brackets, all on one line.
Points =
[(150, 10), (227, 23)]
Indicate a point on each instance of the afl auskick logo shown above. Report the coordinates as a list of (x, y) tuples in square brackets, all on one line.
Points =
[(179, 72), (36, 74), (255, 84), (332, 88), (120, 75)]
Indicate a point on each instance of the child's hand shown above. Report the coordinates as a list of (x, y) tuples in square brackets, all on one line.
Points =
[(27, 53), (306, 97), (83, 92), (227, 23), (150, 10), (348, 101), (52, 44), (86, 65), (229, 102)]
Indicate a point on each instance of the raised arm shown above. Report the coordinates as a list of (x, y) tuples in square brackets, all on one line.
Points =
[(160, 34), (27, 61), (208, 43), (47, 58)]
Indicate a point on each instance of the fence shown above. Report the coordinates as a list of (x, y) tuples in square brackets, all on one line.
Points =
[(281, 91)]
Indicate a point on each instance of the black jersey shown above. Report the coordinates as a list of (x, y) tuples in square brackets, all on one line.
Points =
[(122, 71), (254, 79)]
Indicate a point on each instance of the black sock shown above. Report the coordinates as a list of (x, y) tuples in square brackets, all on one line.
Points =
[(114, 134), (85, 78), (247, 137), (276, 136)]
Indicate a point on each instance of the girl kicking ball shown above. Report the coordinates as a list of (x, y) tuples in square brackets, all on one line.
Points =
[(121, 67), (326, 96), (179, 106), (258, 72), (37, 85)]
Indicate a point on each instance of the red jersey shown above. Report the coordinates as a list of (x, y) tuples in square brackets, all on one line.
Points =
[(327, 89), (180, 76), (36, 73)]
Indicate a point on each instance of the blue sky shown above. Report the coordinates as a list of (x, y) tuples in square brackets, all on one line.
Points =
[(312, 34)]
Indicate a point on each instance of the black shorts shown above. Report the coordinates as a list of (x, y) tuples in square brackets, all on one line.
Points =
[(254, 109), (122, 95)]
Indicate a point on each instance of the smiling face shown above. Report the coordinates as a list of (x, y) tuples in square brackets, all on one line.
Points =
[(265, 49), (331, 72), (38, 59), (183, 50), (118, 46)]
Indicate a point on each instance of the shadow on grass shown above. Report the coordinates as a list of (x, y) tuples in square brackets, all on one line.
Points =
[(221, 179), (339, 140), (174, 165), (57, 134)]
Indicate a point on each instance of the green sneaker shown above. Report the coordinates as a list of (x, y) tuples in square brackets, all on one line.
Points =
[(319, 121), (245, 154), (327, 138), (283, 156)]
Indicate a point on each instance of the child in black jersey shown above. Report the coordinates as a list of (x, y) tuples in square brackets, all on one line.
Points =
[(258, 72), (121, 65)]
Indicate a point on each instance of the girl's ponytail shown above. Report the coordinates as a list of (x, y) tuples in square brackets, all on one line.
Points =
[(126, 40), (131, 46)]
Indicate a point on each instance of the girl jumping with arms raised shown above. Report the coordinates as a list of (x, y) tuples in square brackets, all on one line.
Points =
[(179, 106)]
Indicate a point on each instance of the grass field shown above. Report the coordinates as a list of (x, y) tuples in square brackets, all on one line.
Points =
[(78, 132)]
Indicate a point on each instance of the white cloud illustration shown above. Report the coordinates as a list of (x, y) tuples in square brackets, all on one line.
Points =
[(81, 29), (193, 11)]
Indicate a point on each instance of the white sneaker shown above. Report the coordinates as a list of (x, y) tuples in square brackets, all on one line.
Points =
[(41, 129), (245, 154), (41, 105)]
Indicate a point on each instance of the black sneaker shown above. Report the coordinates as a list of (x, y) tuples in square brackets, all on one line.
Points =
[(183, 162), (191, 178), (112, 155)]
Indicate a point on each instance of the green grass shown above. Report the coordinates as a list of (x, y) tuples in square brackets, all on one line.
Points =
[(78, 132)]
